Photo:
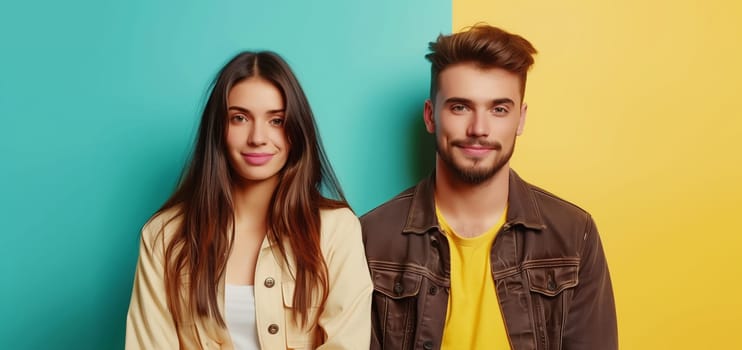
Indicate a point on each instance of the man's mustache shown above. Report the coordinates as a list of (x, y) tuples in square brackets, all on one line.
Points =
[(475, 142)]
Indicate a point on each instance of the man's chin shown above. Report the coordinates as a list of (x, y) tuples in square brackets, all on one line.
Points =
[(475, 168), (474, 176)]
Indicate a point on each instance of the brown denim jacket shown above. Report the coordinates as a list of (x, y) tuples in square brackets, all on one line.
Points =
[(548, 266)]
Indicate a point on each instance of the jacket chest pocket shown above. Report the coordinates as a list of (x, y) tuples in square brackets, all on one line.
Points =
[(298, 337), (395, 304), (551, 290)]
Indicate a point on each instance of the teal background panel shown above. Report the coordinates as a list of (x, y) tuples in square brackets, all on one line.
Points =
[(99, 102)]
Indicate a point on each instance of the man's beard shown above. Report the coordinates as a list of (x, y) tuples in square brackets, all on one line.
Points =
[(475, 175)]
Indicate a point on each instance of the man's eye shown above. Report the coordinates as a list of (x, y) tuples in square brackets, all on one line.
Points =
[(458, 108), (500, 110)]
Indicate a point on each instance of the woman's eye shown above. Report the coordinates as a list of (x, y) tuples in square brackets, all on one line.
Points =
[(238, 118), (276, 121)]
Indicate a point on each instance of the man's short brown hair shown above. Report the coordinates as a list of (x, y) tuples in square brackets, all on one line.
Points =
[(485, 46)]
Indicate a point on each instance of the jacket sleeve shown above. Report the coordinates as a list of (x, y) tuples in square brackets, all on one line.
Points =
[(346, 318), (149, 324), (591, 319)]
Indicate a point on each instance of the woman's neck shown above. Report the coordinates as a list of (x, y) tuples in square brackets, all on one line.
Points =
[(252, 201), (251, 204)]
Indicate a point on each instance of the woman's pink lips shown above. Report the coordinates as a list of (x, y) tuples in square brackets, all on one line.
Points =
[(257, 158)]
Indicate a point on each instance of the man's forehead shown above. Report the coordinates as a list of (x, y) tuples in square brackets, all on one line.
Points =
[(469, 81)]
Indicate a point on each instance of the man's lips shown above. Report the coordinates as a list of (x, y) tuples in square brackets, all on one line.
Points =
[(257, 158), (476, 150)]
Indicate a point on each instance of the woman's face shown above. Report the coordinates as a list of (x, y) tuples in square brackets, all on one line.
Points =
[(256, 140)]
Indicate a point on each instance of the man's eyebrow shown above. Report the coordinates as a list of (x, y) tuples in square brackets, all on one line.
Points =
[(500, 101), (466, 101), (461, 100)]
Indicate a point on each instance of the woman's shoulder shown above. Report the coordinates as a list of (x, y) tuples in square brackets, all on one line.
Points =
[(162, 225), (331, 216), (338, 224)]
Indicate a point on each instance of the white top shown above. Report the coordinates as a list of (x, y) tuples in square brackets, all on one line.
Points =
[(239, 309)]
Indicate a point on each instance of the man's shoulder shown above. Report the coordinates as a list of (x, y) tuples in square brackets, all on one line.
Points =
[(551, 203), (390, 208), (553, 212), (390, 213)]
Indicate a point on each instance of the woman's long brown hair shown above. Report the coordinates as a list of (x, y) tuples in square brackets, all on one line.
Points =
[(196, 257)]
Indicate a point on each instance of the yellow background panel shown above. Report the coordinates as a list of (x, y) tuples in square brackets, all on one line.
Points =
[(635, 114)]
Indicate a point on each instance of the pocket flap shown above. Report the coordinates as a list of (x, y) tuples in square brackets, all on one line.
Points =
[(552, 280), (397, 285), (288, 288)]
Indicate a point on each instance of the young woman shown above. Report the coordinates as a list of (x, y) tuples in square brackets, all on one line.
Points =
[(248, 253)]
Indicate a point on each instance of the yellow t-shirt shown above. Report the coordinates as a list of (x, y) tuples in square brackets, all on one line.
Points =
[(474, 319)]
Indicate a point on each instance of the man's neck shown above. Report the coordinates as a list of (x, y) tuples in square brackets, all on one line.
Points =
[(471, 209)]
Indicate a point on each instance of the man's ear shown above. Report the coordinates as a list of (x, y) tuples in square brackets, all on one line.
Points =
[(429, 117), (522, 120)]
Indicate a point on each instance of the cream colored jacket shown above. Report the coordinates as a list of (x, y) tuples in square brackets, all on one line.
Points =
[(345, 319)]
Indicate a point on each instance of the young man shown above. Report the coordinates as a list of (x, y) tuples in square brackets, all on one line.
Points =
[(474, 257)]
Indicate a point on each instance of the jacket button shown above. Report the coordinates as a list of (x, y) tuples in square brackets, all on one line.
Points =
[(551, 285), (433, 290), (398, 288), (428, 345), (273, 329), (269, 282)]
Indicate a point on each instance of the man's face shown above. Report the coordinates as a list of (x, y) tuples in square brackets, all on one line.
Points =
[(476, 116)]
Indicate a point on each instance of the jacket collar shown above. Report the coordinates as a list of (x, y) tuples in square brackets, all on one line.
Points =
[(522, 206)]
